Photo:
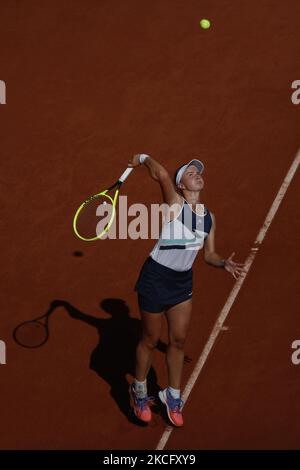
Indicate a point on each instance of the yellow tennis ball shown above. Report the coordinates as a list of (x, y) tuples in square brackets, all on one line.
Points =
[(204, 23)]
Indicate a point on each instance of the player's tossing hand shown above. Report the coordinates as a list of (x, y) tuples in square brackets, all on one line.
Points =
[(236, 269)]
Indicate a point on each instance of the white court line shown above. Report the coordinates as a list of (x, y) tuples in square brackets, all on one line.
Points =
[(218, 326)]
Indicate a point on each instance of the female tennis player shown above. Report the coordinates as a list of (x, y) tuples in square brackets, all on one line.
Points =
[(165, 282)]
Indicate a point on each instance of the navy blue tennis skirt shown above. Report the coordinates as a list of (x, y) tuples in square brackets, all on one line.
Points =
[(159, 287)]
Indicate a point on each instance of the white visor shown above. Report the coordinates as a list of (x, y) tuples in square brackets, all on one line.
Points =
[(194, 162)]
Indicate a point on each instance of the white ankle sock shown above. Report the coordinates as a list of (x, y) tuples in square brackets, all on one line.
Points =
[(174, 392), (140, 388)]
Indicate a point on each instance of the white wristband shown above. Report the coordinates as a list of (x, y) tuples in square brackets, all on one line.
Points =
[(143, 157)]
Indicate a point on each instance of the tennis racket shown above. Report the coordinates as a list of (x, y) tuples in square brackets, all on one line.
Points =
[(33, 333), (95, 216)]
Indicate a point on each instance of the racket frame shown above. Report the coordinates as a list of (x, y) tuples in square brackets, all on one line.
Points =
[(38, 321), (113, 201)]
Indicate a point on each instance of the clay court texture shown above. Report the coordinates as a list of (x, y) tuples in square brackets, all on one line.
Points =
[(87, 85)]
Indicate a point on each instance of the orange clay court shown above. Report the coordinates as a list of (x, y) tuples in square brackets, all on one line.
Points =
[(88, 84)]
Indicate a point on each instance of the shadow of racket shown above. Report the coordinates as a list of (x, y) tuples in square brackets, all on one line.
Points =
[(33, 333)]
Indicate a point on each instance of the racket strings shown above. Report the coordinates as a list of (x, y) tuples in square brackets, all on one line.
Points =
[(95, 217), (85, 224)]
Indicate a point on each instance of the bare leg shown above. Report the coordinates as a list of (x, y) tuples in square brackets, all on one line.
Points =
[(178, 318), (151, 323)]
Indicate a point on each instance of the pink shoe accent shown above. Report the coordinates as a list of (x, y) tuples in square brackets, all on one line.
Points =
[(174, 407)]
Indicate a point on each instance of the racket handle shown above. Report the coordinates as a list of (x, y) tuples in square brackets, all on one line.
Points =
[(125, 175)]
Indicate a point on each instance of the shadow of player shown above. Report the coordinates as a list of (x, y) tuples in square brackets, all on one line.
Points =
[(114, 356)]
